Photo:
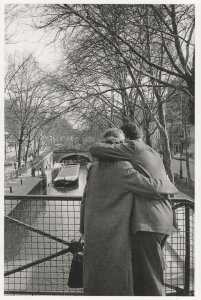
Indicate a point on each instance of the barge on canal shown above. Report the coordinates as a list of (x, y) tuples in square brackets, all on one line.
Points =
[(69, 175)]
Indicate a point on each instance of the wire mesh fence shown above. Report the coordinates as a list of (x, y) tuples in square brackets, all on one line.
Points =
[(38, 232), (179, 252)]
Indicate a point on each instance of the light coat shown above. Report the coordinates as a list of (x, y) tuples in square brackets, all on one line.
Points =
[(153, 215)]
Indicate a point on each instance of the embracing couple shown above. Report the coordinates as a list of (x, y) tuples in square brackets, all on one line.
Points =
[(126, 216)]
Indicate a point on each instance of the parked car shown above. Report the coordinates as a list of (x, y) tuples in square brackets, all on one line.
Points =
[(179, 156)]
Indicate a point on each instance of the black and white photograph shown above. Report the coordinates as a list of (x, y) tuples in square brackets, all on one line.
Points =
[(98, 147)]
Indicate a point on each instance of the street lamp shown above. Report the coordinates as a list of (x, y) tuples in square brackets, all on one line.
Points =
[(181, 150)]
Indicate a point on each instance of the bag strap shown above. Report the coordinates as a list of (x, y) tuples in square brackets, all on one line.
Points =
[(79, 244)]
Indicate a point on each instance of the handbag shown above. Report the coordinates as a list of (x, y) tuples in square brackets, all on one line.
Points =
[(75, 279)]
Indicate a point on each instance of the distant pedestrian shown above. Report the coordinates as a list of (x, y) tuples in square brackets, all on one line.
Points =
[(42, 172), (33, 170), (44, 178)]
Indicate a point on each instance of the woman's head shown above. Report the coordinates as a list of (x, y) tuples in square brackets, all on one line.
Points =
[(114, 135)]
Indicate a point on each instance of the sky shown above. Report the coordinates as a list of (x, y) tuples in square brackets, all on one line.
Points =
[(26, 39)]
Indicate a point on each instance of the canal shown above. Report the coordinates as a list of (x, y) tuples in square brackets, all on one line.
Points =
[(22, 246)]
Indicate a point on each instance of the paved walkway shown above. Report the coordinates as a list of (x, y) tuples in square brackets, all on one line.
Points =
[(183, 196), (22, 185), (176, 165)]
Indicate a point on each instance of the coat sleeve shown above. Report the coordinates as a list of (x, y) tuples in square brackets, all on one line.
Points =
[(83, 201), (147, 187), (121, 151)]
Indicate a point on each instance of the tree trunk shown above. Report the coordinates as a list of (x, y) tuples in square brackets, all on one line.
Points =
[(16, 152), (166, 154), (171, 139), (27, 150), (189, 178), (190, 181), (148, 137), (167, 160), (19, 151), (34, 147), (38, 146)]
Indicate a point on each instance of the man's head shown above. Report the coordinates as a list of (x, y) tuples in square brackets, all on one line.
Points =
[(132, 131), (114, 135)]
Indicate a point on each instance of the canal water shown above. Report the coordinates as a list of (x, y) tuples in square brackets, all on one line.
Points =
[(22, 246)]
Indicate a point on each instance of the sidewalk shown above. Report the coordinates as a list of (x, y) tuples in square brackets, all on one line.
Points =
[(22, 185), (183, 196)]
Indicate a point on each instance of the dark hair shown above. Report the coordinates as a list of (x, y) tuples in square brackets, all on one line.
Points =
[(132, 131)]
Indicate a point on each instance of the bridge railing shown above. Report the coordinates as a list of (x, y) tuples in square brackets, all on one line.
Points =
[(38, 235)]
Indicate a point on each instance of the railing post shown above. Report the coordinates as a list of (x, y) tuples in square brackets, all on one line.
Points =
[(187, 257)]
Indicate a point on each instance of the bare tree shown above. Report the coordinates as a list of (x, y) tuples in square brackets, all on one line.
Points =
[(154, 43), (173, 25), (31, 102)]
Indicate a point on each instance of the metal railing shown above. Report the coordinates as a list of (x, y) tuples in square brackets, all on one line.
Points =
[(179, 252), (40, 235)]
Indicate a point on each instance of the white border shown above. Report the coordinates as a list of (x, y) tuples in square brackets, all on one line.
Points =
[(197, 132)]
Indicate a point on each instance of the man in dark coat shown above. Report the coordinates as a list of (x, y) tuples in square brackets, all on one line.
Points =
[(151, 221), (106, 210)]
